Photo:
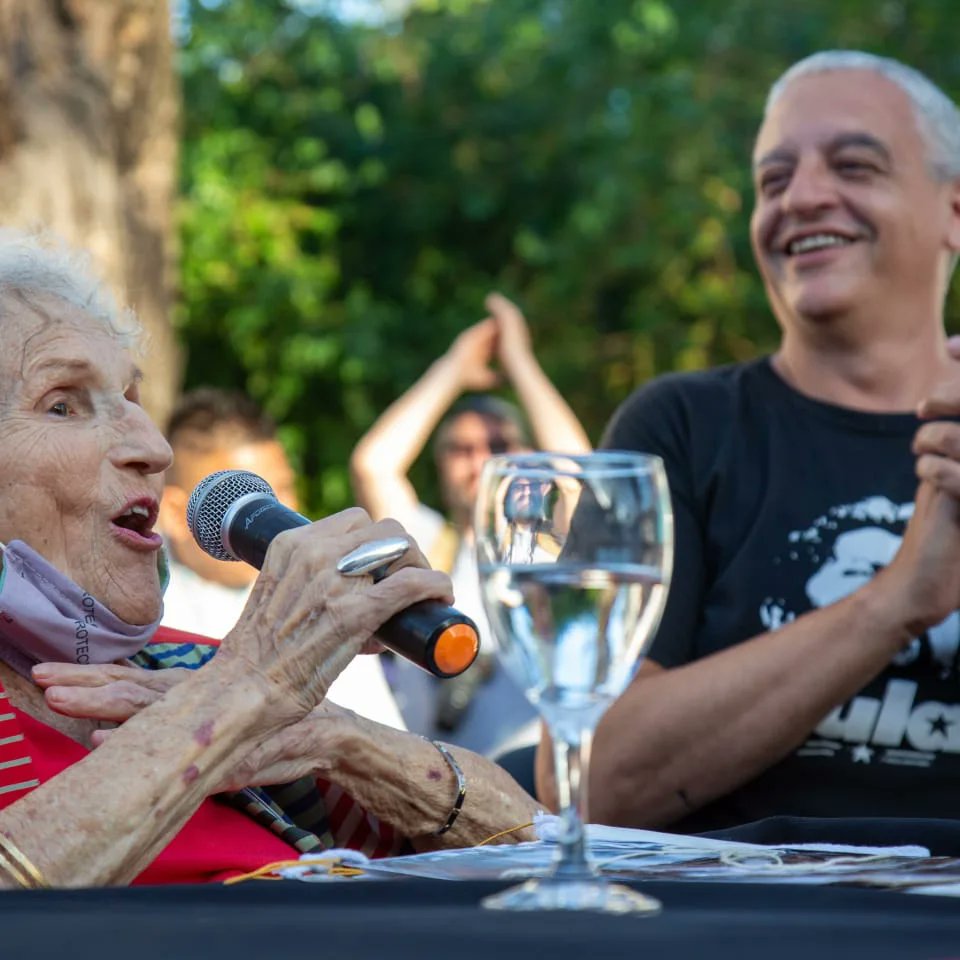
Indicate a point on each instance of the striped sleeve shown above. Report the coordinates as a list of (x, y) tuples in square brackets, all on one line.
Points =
[(17, 774)]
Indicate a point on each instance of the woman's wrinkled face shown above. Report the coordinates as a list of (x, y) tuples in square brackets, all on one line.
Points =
[(81, 463)]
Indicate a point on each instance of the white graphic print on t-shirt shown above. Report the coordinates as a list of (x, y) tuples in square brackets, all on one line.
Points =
[(842, 550)]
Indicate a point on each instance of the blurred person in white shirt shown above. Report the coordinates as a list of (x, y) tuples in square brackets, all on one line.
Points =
[(209, 430)]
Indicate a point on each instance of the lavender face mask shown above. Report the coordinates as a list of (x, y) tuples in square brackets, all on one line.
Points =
[(45, 616)]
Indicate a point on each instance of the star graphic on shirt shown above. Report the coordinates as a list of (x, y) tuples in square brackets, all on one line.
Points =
[(939, 725), (862, 753)]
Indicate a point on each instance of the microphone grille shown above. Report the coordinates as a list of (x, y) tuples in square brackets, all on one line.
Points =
[(212, 497)]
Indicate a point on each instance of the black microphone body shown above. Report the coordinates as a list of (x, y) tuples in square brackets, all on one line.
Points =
[(429, 633), (250, 525)]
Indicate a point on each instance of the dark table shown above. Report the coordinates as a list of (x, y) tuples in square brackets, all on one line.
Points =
[(356, 920)]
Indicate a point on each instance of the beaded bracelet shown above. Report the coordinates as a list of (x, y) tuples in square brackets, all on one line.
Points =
[(16, 865), (461, 787)]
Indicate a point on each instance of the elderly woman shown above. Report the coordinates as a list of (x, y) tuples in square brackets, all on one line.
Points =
[(82, 470)]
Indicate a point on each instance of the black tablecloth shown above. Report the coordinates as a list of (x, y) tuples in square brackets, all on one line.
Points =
[(419, 919)]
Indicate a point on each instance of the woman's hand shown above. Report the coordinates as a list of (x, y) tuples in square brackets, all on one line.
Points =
[(399, 777), (304, 621), (309, 748), (114, 692), (302, 625), (111, 692)]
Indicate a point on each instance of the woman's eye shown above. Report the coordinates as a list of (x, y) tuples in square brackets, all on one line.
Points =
[(61, 408)]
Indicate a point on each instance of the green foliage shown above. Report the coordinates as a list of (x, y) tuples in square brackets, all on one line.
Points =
[(351, 192)]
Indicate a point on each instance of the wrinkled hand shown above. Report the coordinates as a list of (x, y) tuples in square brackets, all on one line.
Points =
[(304, 621), (307, 748), (111, 692), (513, 341), (115, 692), (301, 626), (472, 353)]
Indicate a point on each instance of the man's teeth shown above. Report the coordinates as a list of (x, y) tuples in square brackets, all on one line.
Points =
[(817, 242), (138, 511)]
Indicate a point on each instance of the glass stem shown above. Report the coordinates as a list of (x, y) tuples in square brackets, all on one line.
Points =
[(571, 757)]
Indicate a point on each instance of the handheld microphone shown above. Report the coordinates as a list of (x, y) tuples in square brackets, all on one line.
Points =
[(234, 515)]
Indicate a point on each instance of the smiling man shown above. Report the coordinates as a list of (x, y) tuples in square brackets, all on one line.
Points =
[(807, 660)]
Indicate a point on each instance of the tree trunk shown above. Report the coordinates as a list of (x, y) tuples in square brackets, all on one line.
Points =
[(88, 150)]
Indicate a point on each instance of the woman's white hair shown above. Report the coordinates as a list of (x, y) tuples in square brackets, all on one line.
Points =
[(938, 118), (38, 265)]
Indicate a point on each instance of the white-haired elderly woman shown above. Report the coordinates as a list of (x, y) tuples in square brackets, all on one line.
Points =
[(81, 469)]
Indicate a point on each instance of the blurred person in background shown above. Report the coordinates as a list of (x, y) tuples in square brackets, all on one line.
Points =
[(209, 430), (483, 709)]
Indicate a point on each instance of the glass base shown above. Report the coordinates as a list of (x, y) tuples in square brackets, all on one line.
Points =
[(594, 895)]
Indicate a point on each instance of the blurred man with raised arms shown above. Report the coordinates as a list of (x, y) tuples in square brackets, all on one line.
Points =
[(483, 708)]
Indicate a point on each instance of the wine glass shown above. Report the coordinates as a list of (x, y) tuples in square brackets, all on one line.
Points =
[(575, 555)]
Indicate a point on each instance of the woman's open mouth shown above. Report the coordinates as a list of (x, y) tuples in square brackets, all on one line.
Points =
[(134, 525)]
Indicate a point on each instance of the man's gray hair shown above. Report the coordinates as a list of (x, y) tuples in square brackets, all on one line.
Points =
[(37, 265), (938, 118)]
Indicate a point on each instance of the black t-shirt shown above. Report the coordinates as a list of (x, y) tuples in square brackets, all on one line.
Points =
[(783, 504)]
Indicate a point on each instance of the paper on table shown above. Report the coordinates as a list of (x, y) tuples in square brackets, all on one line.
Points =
[(547, 827), (645, 855)]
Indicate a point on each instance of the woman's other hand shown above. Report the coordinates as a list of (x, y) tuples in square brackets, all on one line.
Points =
[(111, 692), (114, 692)]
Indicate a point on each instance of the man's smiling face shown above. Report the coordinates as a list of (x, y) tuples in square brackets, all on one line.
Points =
[(848, 213)]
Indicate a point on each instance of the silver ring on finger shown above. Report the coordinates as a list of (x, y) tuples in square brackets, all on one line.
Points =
[(373, 558)]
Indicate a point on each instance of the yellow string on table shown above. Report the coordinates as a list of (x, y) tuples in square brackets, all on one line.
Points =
[(504, 833), (263, 873)]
